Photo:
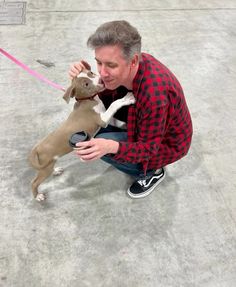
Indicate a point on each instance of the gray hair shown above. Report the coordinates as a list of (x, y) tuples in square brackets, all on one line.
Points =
[(119, 33)]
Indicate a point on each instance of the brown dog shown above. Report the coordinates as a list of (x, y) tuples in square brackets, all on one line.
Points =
[(88, 115)]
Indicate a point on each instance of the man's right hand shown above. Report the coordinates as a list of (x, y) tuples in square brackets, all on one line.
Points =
[(77, 68)]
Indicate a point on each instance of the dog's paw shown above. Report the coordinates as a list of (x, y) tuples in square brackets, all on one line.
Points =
[(58, 171), (40, 197), (129, 99)]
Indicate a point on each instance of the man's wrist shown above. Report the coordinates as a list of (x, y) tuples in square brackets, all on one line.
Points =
[(113, 146)]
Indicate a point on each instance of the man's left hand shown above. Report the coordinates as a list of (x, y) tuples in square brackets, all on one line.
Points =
[(96, 148)]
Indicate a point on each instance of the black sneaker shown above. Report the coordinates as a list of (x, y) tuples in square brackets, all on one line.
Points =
[(144, 187)]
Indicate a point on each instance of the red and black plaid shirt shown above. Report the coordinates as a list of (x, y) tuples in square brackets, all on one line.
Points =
[(159, 125)]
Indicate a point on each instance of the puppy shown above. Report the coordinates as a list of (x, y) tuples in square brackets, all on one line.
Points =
[(88, 115)]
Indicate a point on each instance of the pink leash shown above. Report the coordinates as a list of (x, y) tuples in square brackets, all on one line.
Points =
[(32, 72)]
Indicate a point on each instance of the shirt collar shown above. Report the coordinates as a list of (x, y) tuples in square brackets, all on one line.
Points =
[(138, 77)]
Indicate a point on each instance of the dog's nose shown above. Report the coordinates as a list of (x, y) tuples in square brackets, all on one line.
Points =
[(100, 81)]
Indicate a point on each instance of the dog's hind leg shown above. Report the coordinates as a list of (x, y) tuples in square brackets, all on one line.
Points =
[(40, 177)]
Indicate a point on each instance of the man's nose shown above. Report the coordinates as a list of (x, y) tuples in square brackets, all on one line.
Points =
[(103, 71)]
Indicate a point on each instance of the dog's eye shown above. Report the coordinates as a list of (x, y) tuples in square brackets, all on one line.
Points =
[(86, 83)]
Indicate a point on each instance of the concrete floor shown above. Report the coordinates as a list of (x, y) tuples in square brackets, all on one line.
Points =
[(89, 233)]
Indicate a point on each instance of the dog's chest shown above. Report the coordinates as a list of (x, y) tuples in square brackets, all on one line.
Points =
[(99, 106)]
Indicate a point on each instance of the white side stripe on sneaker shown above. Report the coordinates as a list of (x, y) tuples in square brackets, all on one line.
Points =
[(146, 185)]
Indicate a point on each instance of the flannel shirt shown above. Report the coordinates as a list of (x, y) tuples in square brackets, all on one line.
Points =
[(159, 125)]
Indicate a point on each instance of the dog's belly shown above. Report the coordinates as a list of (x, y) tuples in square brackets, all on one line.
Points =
[(56, 144)]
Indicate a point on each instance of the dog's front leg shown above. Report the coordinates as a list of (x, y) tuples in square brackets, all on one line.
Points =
[(128, 99)]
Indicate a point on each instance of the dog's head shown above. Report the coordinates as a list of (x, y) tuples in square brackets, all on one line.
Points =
[(84, 86)]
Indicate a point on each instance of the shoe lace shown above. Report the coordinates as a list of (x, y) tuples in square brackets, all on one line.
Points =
[(142, 182)]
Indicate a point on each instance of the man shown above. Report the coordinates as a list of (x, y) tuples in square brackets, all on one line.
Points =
[(157, 129)]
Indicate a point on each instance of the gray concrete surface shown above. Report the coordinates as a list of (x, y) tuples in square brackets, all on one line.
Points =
[(89, 233)]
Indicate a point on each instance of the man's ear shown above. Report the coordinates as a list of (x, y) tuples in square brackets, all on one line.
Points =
[(70, 93), (135, 60)]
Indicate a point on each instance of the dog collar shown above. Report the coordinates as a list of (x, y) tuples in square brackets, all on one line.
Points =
[(87, 98)]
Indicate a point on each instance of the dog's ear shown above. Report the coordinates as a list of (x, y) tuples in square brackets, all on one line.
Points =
[(86, 65), (70, 93)]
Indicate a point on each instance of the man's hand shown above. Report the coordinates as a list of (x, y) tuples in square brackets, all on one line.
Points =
[(77, 68), (96, 148)]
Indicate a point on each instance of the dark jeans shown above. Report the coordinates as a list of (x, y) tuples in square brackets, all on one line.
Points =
[(132, 169)]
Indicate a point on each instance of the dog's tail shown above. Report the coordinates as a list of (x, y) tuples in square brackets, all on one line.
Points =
[(34, 160)]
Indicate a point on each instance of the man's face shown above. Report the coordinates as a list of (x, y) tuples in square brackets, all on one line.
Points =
[(112, 67)]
